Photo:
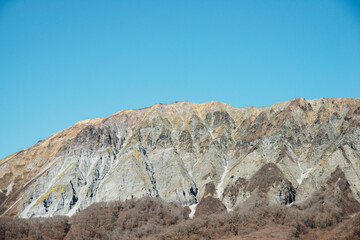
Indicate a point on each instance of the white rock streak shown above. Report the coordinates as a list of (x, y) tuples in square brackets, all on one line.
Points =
[(211, 134), (9, 188), (229, 209), (303, 175), (197, 161), (220, 188), (193, 210)]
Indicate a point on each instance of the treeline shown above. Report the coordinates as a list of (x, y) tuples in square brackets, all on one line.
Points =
[(323, 216)]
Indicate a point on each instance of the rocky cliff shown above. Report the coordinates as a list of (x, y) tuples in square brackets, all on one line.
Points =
[(285, 153)]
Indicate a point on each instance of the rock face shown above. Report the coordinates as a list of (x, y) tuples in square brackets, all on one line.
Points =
[(285, 152), (268, 182)]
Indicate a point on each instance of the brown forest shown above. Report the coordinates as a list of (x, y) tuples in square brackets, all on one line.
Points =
[(324, 216)]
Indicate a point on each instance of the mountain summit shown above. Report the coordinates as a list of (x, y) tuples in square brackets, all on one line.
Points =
[(190, 153)]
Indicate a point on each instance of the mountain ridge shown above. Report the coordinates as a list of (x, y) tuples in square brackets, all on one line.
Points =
[(200, 143)]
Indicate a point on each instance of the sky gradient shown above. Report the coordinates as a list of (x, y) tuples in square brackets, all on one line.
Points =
[(65, 61)]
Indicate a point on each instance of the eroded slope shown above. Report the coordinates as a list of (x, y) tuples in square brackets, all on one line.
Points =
[(172, 151)]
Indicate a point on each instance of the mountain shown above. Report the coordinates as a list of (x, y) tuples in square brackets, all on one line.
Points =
[(198, 155)]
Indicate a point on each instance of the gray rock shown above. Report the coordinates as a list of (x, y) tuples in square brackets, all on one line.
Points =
[(285, 152)]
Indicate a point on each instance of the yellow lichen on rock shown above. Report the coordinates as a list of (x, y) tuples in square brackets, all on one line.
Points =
[(47, 195)]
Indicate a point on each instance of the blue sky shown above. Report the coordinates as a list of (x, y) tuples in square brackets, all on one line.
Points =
[(66, 61)]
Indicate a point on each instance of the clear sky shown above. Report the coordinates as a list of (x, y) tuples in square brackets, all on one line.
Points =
[(66, 61)]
